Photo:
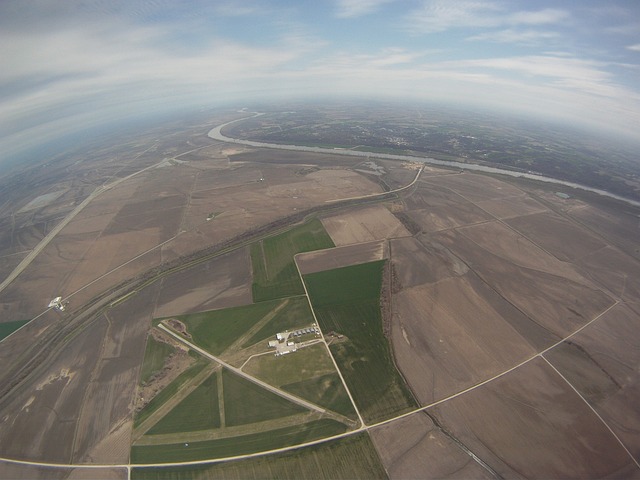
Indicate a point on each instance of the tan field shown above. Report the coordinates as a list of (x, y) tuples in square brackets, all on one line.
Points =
[(364, 225), (414, 447), (531, 424), (337, 257)]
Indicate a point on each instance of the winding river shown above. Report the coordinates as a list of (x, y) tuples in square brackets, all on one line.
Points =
[(216, 134)]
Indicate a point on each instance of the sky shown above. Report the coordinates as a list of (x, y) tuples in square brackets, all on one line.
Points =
[(68, 65)]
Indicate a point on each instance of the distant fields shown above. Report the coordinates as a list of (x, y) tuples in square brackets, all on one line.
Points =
[(347, 458), (274, 271), (347, 300), (155, 354), (238, 445)]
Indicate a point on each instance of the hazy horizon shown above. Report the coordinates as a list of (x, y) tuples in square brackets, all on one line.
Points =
[(76, 65)]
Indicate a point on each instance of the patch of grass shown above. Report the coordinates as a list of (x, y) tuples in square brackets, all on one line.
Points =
[(155, 355), (274, 271), (239, 445), (346, 285), (216, 330), (245, 402), (170, 390), (7, 328), (305, 363), (326, 391), (347, 458), (296, 314), (198, 411), (347, 300)]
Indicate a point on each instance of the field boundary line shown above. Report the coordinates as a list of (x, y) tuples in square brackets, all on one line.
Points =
[(335, 364), (593, 410)]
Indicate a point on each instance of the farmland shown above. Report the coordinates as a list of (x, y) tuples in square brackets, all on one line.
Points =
[(347, 301), (506, 313), (236, 445), (155, 355), (353, 457), (8, 328), (274, 271), (217, 329)]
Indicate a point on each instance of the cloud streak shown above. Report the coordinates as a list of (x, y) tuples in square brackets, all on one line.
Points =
[(71, 63)]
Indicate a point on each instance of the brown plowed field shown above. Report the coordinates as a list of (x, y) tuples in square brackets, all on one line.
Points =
[(450, 335), (513, 247), (364, 225), (337, 257), (40, 424), (530, 423), (601, 362), (558, 304), (510, 207), (12, 470), (416, 448), (221, 282), (613, 270), (437, 208), (618, 225), (98, 438), (476, 188), (558, 236)]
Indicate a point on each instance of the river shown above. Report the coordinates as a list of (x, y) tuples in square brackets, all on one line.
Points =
[(216, 134)]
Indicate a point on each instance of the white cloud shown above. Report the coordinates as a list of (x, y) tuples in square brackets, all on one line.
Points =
[(635, 48), (358, 8), (438, 15), (522, 37)]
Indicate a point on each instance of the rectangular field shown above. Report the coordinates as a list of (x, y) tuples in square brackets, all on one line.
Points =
[(347, 458), (337, 257), (364, 225), (239, 445), (347, 301), (274, 271)]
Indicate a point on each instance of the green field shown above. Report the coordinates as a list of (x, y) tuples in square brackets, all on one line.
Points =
[(326, 391), (347, 300), (274, 271), (347, 458), (245, 402), (198, 411), (216, 330), (305, 363), (239, 445), (7, 328), (296, 314), (155, 355), (171, 389)]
